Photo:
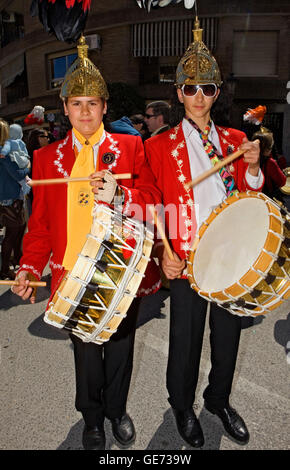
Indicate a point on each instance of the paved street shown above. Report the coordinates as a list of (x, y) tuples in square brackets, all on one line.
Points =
[(37, 383)]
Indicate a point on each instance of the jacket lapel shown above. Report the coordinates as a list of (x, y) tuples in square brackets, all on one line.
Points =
[(226, 146), (109, 153), (65, 156), (179, 160)]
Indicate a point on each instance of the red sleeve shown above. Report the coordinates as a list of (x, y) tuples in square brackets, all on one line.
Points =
[(282, 162), (241, 167), (275, 173), (36, 242)]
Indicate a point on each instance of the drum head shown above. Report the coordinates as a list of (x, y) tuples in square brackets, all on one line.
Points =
[(231, 244)]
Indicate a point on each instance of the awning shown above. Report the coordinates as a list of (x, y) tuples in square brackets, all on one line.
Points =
[(10, 71), (170, 38)]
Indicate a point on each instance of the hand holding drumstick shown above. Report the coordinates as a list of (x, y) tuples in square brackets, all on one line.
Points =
[(171, 264), (25, 286), (251, 151)]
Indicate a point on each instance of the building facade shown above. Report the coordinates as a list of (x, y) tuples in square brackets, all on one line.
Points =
[(250, 40)]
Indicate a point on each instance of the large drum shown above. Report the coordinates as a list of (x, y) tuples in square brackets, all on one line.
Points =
[(240, 257), (95, 295)]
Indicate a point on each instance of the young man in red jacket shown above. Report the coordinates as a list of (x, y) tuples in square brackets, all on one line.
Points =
[(57, 230), (177, 157)]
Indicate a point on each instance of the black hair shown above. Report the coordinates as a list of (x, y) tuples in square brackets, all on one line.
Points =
[(32, 140)]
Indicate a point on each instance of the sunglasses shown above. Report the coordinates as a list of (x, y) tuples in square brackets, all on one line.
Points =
[(208, 90), (148, 116), (44, 136)]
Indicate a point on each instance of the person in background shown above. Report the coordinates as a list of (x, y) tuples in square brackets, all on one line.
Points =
[(123, 126), (37, 138), (12, 215), (274, 176), (15, 148), (280, 159), (138, 122), (157, 117)]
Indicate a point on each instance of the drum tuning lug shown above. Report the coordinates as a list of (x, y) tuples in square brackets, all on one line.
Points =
[(281, 260), (270, 278), (101, 266), (107, 245), (255, 293), (83, 308), (93, 287)]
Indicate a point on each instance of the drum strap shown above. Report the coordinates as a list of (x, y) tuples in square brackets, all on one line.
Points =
[(215, 157)]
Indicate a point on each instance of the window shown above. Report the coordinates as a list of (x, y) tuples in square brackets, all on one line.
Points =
[(170, 38), (167, 69), (58, 65), (255, 53), (11, 26)]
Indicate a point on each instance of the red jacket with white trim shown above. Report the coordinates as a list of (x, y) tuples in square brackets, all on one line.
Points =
[(169, 161), (46, 238)]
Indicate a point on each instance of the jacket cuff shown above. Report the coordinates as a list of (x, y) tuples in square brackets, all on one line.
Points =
[(31, 269), (255, 183), (127, 200)]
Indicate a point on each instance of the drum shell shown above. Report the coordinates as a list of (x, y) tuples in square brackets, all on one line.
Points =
[(117, 283)]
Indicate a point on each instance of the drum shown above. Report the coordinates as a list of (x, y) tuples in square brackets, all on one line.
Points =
[(93, 298), (240, 256)]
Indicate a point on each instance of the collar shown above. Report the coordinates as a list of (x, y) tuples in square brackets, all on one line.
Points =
[(78, 145), (189, 130), (159, 129)]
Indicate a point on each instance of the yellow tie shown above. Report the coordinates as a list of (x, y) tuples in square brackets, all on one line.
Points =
[(80, 199)]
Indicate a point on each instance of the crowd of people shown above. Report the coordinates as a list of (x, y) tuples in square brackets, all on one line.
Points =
[(60, 221)]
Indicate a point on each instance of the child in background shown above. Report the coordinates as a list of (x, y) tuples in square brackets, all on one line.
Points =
[(12, 213), (15, 148), (274, 176)]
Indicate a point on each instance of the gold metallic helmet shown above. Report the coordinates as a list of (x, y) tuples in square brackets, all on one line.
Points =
[(83, 78), (197, 66)]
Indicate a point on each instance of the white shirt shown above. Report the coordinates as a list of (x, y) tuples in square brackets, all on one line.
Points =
[(211, 192)]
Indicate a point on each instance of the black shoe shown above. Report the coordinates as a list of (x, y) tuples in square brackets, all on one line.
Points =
[(94, 438), (123, 430), (7, 275), (232, 421), (189, 427)]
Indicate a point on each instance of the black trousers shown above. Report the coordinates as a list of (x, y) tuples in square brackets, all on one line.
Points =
[(12, 242), (187, 322), (103, 372)]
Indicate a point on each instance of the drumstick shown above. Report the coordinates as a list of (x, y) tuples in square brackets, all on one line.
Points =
[(162, 233), (16, 283), (214, 169), (120, 176)]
